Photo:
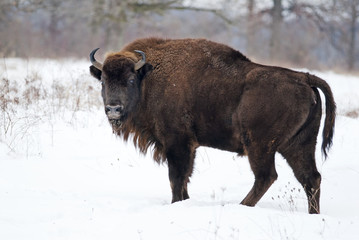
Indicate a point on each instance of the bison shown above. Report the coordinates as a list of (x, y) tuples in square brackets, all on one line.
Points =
[(177, 95)]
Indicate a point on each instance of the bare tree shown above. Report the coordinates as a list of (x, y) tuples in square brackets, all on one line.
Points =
[(276, 25), (339, 20), (268, 31), (114, 14), (8, 9), (250, 26), (354, 10)]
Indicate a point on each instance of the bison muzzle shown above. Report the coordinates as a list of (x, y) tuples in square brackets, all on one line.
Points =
[(177, 95)]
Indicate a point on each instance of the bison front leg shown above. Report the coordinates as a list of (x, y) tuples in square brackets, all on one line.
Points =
[(180, 166)]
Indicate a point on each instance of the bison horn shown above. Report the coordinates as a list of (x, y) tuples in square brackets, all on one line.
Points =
[(96, 64), (142, 62)]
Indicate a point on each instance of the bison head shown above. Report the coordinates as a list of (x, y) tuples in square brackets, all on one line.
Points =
[(121, 75)]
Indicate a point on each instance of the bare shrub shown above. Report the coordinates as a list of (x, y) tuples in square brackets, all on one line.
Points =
[(34, 90), (8, 93), (353, 113), (8, 102)]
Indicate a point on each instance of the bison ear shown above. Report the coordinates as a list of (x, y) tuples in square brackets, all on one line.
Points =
[(144, 70), (95, 72)]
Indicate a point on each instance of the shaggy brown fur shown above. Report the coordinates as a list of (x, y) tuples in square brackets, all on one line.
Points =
[(194, 92)]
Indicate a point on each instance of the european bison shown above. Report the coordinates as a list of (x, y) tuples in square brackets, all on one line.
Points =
[(177, 95)]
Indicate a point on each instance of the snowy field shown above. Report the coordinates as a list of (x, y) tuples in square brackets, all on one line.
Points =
[(64, 175)]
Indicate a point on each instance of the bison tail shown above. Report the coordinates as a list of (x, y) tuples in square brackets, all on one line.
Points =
[(330, 110)]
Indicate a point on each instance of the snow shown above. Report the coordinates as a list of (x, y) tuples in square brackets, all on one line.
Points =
[(64, 175)]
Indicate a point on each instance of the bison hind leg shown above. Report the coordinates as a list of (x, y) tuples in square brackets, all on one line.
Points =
[(300, 155), (262, 165), (301, 160), (305, 171)]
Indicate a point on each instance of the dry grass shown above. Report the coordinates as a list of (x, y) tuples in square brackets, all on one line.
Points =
[(39, 98), (353, 113)]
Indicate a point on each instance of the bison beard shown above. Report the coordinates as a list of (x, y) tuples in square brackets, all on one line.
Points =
[(178, 95), (116, 124)]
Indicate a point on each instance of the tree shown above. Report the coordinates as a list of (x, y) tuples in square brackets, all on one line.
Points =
[(276, 25), (8, 9), (114, 14), (250, 26), (354, 10), (338, 20), (273, 31)]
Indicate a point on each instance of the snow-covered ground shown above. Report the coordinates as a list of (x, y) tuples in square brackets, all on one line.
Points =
[(64, 175)]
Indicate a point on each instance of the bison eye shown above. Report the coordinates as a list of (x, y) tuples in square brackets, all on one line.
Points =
[(131, 81)]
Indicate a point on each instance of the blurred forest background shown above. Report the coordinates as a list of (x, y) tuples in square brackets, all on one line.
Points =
[(316, 34)]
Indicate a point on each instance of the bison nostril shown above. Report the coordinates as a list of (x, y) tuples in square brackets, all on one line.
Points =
[(118, 109)]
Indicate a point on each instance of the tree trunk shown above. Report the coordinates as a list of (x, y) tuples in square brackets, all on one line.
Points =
[(277, 18), (53, 25), (250, 28), (351, 49)]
